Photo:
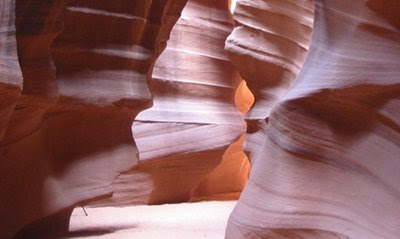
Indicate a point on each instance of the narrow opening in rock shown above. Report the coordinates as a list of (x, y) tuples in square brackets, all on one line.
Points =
[(244, 98), (233, 5)]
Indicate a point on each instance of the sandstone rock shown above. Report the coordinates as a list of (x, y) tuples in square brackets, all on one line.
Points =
[(323, 137), (268, 47), (182, 138), (328, 167), (10, 73), (84, 65)]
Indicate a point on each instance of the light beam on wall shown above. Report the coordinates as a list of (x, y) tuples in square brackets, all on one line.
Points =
[(233, 5)]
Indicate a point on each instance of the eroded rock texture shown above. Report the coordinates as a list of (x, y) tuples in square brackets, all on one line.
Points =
[(83, 67), (183, 137), (10, 73), (268, 48), (323, 137), (328, 167)]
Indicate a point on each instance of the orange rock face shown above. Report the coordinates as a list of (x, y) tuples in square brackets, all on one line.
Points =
[(183, 137), (96, 109), (83, 69), (10, 73)]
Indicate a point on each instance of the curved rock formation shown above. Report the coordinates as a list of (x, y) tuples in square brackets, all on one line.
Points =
[(10, 72), (268, 48), (182, 138), (328, 167), (84, 65), (323, 137)]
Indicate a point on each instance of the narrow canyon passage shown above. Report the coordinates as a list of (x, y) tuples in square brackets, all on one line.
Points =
[(188, 75), (190, 140), (236, 119)]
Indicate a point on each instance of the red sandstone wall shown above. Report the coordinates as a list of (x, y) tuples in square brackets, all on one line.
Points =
[(83, 69)]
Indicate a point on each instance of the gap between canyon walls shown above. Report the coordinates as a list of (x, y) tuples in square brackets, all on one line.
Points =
[(268, 47), (83, 66), (188, 140)]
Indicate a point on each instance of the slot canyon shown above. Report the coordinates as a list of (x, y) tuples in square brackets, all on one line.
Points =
[(236, 119)]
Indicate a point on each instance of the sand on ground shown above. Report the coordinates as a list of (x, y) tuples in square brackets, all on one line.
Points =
[(169, 221)]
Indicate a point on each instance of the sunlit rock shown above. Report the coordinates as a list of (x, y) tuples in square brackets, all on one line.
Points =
[(329, 160), (183, 138)]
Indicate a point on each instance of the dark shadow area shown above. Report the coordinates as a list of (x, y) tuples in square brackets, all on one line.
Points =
[(50, 227), (93, 232)]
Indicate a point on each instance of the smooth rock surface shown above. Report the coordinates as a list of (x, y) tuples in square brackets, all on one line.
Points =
[(10, 72), (328, 166), (83, 66), (323, 135), (268, 47), (183, 138)]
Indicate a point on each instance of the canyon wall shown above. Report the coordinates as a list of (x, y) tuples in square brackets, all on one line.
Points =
[(328, 162), (96, 109), (10, 72), (82, 67), (268, 47), (183, 138)]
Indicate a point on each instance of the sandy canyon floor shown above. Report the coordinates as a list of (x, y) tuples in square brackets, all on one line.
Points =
[(170, 221)]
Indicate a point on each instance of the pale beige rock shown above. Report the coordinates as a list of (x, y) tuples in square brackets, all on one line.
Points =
[(328, 167), (268, 47)]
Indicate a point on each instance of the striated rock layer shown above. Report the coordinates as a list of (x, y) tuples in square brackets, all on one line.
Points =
[(268, 47), (183, 138), (10, 72), (83, 67), (328, 167)]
